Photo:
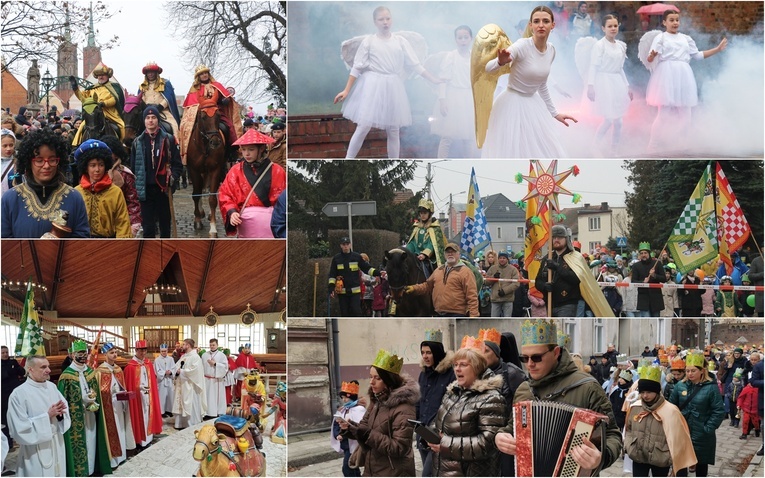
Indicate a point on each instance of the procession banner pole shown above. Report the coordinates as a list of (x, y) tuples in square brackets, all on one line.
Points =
[(549, 272)]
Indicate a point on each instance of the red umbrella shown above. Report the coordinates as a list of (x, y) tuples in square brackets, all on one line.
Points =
[(656, 9)]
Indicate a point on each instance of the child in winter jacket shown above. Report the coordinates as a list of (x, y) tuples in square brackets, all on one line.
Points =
[(732, 391), (747, 403)]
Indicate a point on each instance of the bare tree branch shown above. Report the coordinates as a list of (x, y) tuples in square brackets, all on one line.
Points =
[(35, 29), (247, 40)]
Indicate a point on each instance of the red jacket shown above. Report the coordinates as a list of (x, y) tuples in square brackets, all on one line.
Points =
[(235, 188), (747, 400)]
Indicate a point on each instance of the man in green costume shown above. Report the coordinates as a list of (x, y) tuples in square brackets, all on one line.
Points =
[(427, 241), (85, 441)]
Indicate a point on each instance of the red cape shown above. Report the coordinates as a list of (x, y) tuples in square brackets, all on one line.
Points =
[(247, 361), (193, 99), (133, 383)]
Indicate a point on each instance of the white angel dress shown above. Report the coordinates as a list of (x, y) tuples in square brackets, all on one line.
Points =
[(606, 75), (456, 89), (378, 98), (522, 123), (672, 82)]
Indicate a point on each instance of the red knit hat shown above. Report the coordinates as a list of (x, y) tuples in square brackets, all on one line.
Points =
[(252, 136)]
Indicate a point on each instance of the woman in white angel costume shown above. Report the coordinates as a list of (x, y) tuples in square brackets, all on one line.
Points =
[(521, 122), (379, 98)]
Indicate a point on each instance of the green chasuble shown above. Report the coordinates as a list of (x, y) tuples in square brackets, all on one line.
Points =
[(74, 438)]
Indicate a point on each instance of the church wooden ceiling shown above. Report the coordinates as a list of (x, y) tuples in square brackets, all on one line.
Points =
[(105, 278)]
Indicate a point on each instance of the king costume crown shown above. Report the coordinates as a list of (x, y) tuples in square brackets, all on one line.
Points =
[(490, 335), (469, 342), (695, 358), (434, 335), (388, 362), (539, 332), (350, 388), (652, 373), (678, 364), (79, 346), (564, 340)]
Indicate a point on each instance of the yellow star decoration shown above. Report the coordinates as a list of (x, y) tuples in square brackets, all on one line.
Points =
[(546, 184)]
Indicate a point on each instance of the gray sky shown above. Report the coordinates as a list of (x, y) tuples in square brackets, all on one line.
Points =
[(598, 180), (144, 36)]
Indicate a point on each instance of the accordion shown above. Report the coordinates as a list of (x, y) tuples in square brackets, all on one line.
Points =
[(545, 432)]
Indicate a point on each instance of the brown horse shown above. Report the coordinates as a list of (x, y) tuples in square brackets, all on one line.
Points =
[(206, 161), (133, 117)]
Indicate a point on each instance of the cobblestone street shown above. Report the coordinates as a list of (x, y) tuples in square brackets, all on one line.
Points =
[(184, 215)]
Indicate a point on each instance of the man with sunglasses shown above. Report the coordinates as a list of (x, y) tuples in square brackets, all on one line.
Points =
[(570, 280), (553, 376)]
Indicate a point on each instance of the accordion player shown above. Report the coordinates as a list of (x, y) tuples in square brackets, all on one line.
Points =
[(545, 433)]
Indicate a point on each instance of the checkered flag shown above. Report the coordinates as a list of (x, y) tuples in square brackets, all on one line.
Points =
[(694, 238), (30, 333), (732, 229), (475, 230)]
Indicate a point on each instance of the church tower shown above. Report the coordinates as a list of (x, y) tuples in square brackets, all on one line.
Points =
[(67, 61), (91, 54)]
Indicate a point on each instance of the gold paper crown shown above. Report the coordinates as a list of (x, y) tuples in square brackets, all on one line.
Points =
[(695, 358), (626, 375), (711, 366), (678, 364), (652, 373), (490, 335), (201, 68), (434, 335), (643, 363), (469, 342), (388, 362), (539, 332), (350, 388)]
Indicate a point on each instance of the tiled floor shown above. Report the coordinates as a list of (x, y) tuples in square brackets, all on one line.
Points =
[(171, 455)]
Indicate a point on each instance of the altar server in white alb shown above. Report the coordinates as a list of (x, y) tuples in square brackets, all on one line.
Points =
[(216, 367), (164, 366), (190, 401), (38, 417)]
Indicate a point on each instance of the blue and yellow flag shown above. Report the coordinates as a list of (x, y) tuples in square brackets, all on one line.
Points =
[(475, 230)]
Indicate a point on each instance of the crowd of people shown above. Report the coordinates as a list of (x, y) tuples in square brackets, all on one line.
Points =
[(96, 417), (127, 174), (570, 283), (660, 411)]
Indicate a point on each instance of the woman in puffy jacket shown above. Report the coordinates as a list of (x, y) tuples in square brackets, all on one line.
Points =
[(471, 413), (385, 433), (700, 402)]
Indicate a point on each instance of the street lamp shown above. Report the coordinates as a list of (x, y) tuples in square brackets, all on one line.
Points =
[(47, 83)]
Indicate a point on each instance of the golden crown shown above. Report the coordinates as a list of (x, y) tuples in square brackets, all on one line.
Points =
[(388, 362), (201, 68)]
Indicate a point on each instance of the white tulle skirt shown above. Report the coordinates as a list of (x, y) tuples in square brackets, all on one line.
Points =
[(379, 101), (672, 84), (459, 122), (521, 127), (612, 97)]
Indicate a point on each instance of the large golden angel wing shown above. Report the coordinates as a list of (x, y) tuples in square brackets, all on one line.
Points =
[(489, 40)]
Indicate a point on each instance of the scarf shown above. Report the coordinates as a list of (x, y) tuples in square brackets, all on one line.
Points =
[(96, 187), (349, 405)]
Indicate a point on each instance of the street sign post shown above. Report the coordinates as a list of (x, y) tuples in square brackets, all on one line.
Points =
[(350, 209)]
